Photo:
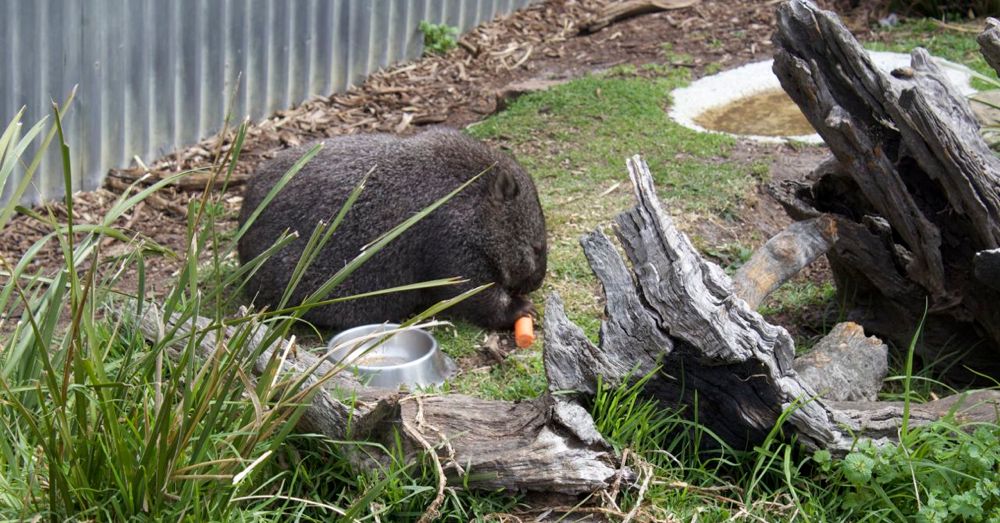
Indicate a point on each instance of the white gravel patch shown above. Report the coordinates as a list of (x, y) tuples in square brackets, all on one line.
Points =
[(725, 87)]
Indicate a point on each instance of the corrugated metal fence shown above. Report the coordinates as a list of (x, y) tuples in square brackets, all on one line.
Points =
[(154, 75)]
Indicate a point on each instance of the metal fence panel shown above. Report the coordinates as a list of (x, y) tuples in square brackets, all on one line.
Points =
[(155, 75)]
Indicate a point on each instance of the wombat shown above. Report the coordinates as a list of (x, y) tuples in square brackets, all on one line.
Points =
[(492, 231)]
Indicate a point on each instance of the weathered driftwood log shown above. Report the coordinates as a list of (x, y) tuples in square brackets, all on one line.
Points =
[(675, 313), (845, 364), (543, 445), (916, 192)]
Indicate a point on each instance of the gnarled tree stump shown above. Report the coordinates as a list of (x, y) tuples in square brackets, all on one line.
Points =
[(914, 190)]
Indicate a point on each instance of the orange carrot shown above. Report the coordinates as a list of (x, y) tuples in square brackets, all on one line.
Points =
[(524, 332)]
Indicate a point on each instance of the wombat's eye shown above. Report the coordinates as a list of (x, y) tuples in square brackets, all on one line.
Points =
[(538, 247)]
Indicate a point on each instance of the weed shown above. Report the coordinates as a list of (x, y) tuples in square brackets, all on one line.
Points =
[(937, 473), (730, 256), (438, 38)]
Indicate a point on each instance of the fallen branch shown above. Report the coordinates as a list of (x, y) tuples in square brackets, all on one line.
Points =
[(617, 11), (194, 182), (156, 200), (782, 257)]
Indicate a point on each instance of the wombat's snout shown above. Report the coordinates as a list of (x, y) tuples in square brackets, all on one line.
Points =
[(533, 263)]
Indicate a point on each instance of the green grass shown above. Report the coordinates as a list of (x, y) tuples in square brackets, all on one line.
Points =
[(937, 473), (730, 255), (97, 423), (797, 302), (518, 377)]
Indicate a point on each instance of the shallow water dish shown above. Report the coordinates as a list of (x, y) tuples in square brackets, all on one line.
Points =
[(748, 101), (409, 357)]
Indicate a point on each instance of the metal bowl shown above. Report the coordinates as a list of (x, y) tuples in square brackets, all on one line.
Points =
[(410, 357)]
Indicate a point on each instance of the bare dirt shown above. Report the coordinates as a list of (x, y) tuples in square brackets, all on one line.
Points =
[(543, 42)]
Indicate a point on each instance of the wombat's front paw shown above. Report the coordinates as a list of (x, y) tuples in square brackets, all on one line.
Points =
[(522, 306)]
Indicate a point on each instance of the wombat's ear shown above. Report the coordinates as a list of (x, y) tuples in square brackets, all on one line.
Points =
[(503, 186)]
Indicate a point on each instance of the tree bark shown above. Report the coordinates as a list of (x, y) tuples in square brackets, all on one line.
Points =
[(915, 192)]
